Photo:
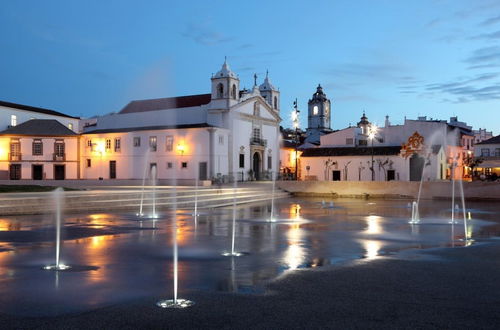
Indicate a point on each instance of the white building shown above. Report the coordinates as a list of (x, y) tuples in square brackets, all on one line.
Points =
[(227, 133), (12, 114), (481, 135), (488, 152), (397, 152), (39, 149)]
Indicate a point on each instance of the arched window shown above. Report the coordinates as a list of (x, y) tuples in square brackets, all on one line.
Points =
[(275, 103), (220, 91), (233, 92)]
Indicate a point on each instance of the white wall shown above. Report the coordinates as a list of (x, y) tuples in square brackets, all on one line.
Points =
[(131, 162), (24, 115)]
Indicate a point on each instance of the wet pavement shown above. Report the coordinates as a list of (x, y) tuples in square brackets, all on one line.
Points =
[(116, 258)]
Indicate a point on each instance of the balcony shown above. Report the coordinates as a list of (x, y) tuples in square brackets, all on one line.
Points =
[(15, 157), (258, 142), (59, 157)]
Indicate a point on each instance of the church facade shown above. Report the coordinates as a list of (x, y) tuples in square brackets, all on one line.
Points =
[(228, 133)]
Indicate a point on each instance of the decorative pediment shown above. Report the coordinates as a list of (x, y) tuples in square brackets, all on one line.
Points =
[(415, 144)]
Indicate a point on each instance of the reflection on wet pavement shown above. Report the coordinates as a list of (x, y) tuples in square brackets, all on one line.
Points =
[(118, 258)]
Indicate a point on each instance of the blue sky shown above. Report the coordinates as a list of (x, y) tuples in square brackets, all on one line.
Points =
[(438, 58)]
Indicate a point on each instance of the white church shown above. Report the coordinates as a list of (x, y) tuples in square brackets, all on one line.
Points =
[(228, 133)]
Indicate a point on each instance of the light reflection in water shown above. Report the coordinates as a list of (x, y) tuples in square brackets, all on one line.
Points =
[(374, 226), (8, 225), (294, 255), (371, 248), (96, 253)]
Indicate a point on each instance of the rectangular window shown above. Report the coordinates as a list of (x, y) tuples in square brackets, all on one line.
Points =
[(242, 160), (59, 148), (108, 144), (152, 143), (89, 143), (485, 152), (221, 139), (13, 120), (184, 164), (137, 141), (363, 142), (349, 141), (37, 147), (256, 133), (15, 150), (169, 165), (170, 143), (89, 162), (497, 152), (269, 162), (118, 145)]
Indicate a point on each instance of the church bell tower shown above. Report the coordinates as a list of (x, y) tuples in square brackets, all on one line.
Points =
[(318, 118)]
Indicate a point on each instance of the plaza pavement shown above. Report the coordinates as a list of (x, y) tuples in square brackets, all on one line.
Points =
[(453, 288)]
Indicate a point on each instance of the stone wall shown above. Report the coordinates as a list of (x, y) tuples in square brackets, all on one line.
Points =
[(391, 189)]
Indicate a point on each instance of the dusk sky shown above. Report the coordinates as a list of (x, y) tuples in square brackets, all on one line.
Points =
[(436, 58)]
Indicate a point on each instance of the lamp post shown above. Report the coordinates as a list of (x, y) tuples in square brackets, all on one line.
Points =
[(372, 131), (295, 120)]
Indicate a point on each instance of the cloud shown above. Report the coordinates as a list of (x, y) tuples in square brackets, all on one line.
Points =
[(467, 89), (484, 56), (490, 21), (204, 35), (487, 36), (379, 72)]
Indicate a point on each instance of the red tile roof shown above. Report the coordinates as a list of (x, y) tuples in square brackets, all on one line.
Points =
[(167, 103)]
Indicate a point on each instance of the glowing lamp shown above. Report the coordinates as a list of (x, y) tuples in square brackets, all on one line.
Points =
[(181, 148)]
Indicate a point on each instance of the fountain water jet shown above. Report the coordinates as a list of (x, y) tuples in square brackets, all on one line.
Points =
[(233, 253), (453, 164), (415, 215), (271, 218), (58, 199), (466, 239), (175, 302)]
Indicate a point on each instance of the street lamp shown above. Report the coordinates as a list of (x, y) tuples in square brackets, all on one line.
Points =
[(372, 131), (295, 120)]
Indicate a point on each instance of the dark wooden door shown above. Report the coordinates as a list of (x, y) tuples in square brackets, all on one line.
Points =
[(37, 172), (202, 173), (112, 169), (15, 171), (335, 175), (59, 172)]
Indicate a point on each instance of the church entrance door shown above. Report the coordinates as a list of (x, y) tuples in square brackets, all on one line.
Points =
[(416, 167), (256, 165)]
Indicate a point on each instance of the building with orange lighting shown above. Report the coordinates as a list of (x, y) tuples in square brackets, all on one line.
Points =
[(37, 143), (227, 133)]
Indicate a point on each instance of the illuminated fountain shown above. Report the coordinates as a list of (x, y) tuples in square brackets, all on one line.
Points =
[(233, 253), (271, 218), (153, 183), (415, 215), (175, 302), (58, 200)]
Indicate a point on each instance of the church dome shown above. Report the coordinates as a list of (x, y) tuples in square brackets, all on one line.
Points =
[(225, 71), (364, 120), (319, 96)]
